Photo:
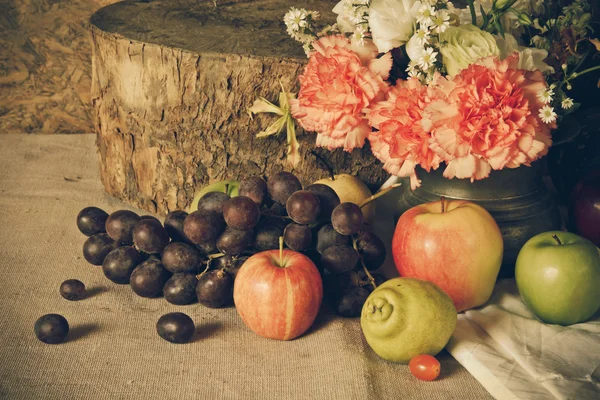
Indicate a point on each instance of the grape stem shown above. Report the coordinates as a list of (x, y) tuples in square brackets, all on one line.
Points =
[(369, 276), (325, 164), (379, 194), (205, 269), (216, 255)]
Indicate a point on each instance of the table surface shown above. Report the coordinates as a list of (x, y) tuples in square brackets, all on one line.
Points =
[(113, 350)]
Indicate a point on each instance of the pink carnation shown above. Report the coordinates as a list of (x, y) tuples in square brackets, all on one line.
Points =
[(488, 119), (338, 83), (401, 143)]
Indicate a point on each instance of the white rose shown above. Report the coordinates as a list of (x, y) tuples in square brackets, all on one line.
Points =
[(530, 59), (344, 13), (414, 49), (392, 22)]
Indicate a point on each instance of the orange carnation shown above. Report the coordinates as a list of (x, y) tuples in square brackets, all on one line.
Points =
[(338, 83)]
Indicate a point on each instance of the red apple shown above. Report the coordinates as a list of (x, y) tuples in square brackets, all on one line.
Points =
[(278, 295), (585, 207), (455, 244)]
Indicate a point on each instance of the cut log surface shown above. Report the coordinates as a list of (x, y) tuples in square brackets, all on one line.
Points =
[(172, 82)]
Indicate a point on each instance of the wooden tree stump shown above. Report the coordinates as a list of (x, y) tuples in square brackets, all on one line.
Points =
[(172, 82)]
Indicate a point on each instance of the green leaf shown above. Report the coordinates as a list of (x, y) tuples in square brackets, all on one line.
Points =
[(499, 27), (262, 105)]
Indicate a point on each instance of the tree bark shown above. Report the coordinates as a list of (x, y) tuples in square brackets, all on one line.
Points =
[(171, 85)]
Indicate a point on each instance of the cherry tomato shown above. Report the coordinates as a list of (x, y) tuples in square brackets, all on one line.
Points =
[(424, 367)]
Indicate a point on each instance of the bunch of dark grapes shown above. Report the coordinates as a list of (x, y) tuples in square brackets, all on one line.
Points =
[(195, 257)]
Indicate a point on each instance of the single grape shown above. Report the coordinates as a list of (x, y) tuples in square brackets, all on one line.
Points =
[(347, 219), (72, 289), (297, 237), (203, 228), (149, 236), (181, 289), (174, 226), (148, 278), (424, 367), (181, 257), (152, 217), (267, 233), (282, 185), (215, 289), (328, 198), (120, 263), (119, 225), (51, 328), (351, 302), (96, 248), (327, 237), (234, 267), (277, 210), (338, 259), (175, 327), (212, 202), (254, 187), (372, 250), (241, 213), (208, 247), (335, 285), (303, 207), (91, 220), (234, 241), (221, 262)]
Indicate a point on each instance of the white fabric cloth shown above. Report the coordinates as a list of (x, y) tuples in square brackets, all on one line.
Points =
[(515, 356)]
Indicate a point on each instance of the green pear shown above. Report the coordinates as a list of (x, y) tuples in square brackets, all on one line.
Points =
[(232, 190), (405, 317), (351, 189)]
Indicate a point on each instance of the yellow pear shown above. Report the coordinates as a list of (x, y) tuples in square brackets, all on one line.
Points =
[(351, 189)]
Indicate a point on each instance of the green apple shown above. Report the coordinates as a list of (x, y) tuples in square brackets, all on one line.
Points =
[(405, 317), (350, 188), (232, 190), (558, 276)]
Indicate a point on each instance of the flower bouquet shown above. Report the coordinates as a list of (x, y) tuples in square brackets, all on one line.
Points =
[(427, 83)]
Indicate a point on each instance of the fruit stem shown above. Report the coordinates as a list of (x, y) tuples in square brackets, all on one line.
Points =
[(371, 279), (281, 251), (227, 188), (442, 200), (379, 194), (321, 160), (216, 255), (557, 239), (205, 269)]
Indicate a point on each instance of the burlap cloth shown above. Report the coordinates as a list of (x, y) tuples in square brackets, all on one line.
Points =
[(113, 351)]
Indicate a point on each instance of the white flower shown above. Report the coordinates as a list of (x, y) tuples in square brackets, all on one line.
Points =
[(545, 96), (566, 103), (392, 22), (413, 70), (426, 15), (530, 59), (547, 114), (441, 21), (350, 13), (422, 36), (414, 48), (295, 19), (359, 35), (428, 58)]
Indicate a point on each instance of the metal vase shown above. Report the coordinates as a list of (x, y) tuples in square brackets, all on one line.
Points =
[(517, 199)]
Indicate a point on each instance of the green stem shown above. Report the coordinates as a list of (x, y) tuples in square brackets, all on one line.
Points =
[(472, 9), (585, 71)]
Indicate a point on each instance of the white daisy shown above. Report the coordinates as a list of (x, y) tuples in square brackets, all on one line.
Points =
[(426, 15), (295, 19), (545, 96), (428, 58), (359, 35), (547, 114), (422, 36), (566, 103), (413, 70), (441, 21)]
